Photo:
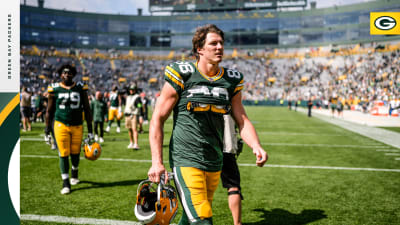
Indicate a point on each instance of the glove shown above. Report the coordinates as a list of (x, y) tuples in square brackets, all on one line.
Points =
[(90, 137), (119, 109)]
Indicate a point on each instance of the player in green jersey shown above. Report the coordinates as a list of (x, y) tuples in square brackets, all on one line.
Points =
[(66, 103), (115, 109), (199, 94)]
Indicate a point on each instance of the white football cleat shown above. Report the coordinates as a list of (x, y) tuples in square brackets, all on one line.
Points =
[(74, 181), (65, 190), (108, 129), (118, 130), (53, 146), (101, 140), (136, 147), (130, 146), (96, 138)]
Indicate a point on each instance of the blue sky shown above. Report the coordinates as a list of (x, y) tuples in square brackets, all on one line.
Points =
[(129, 7)]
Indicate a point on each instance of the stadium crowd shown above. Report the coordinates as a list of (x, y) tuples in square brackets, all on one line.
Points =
[(357, 75)]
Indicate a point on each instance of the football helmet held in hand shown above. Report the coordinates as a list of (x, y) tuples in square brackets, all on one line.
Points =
[(92, 149), (156, 204)]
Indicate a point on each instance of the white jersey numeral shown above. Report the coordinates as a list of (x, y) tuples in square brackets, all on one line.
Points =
[(185, 67), (74, 97), (233, 74)]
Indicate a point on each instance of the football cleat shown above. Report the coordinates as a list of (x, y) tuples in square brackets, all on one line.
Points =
[(74, 181), (156, 204), (92, 149), (65, 190), (47, 139)]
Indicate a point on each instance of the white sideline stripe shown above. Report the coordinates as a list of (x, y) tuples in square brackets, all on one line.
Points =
[(392, 153), (77, 220), (387, 150), (327, 168), (103, 159), (242, 164), (326, 145), (277, 144), (397, 159), (298, 134)]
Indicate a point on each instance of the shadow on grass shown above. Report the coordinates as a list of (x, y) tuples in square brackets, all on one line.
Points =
[(104, 184), (284, 217)]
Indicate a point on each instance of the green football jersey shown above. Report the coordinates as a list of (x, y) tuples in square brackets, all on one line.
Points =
[(69, 104), (114, 101), (198, 126)]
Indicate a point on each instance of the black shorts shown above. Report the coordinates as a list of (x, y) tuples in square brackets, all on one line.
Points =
[(230, 175), (26, 112)]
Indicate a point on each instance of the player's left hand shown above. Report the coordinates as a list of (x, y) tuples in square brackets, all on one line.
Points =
[(261, 155)]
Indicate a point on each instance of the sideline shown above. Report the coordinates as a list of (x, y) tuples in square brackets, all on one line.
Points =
[(77, 220), (351, 121), (240, 164)]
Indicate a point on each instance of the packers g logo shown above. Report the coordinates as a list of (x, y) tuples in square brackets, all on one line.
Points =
[(384, 23)]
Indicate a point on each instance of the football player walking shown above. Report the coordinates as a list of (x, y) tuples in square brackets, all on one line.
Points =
[(66, 103), (200, 94)]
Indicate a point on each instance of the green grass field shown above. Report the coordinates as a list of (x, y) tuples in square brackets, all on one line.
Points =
[(315, 175)]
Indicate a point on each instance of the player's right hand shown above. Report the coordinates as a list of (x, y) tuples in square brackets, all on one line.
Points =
[(261, 155), (155, 172)]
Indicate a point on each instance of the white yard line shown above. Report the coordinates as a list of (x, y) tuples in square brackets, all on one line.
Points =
[(76, 220), (272, 144), (387, 150), (392, 154), (325, 145), (240, 164)]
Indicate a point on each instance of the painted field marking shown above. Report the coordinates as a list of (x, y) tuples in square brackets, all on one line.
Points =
[(326, 145), (240, 164), (392, 154), (272, 144), (76, 220), (387, 150), (298, 134)]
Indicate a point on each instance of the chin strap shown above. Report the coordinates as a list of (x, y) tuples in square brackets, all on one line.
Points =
[(236, 193)]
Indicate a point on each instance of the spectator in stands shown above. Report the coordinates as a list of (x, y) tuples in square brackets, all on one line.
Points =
[(26, 110), (99, 112)]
